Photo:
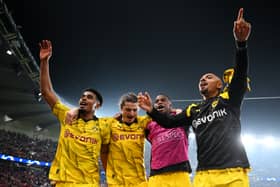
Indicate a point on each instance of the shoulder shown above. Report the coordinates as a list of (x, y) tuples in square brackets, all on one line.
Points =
[(60, 106), (60, 110), (144, 120), (106, 121), (224, 95), (191, 107)]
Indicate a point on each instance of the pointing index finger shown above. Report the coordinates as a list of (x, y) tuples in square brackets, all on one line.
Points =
[(240, 14)]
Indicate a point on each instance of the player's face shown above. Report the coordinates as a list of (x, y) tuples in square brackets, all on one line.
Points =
[(129, 112), (209, 84), (162, 104), (87, 101)]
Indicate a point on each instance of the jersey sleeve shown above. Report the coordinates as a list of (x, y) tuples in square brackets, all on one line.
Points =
[(105, 129), (144, 121), (60, 110)]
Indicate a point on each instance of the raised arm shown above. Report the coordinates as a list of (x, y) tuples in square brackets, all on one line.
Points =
[(241, 32), (241, 28), (238, 86), (45, 81)]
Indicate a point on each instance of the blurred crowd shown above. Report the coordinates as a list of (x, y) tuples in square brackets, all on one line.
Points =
[(13, 174), (19, 174)]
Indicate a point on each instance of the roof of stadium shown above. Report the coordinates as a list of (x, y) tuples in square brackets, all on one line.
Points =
[(112, 44), (21, 106)]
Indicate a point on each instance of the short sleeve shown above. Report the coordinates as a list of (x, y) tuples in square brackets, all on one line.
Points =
[(144, 121), (105, 129), (60, 110)]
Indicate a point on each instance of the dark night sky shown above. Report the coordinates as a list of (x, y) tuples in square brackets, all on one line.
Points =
[(156, 46)]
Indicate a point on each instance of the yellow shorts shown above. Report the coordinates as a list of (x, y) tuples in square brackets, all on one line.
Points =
[(67, 184), (170, 179), (231, 177), (142, 184)]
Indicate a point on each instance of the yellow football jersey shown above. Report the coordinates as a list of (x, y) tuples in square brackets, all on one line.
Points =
[(125, 165), (78, 149)]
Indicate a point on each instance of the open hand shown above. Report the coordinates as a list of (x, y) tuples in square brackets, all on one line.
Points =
[(145, 101), (45, 50)]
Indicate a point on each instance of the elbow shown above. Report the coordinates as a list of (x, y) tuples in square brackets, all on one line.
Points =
[(167, 125), (44, 93)]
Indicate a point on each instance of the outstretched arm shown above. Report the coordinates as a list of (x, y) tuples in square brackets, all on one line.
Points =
[(165, 120), (45, 81), (238, 86), (241, 32)]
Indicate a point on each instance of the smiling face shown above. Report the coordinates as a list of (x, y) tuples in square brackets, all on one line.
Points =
[(88, 102), (210, 85), (162, 104)]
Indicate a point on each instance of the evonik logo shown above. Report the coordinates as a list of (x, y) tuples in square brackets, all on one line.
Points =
[(69, 134), (205, 119), (117, 137)]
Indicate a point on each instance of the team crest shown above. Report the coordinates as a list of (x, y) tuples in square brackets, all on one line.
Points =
[(214, 103), (140, 128), (95, 128)]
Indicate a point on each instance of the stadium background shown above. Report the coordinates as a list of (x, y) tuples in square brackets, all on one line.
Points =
[(29, 131)]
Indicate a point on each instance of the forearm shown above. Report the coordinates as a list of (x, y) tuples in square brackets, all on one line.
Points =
[(168, 121), (238, 85), (104, 155), (241, 60), (45, 83)]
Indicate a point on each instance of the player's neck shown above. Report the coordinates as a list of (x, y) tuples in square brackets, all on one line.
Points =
[(209, 95), (86, 115)]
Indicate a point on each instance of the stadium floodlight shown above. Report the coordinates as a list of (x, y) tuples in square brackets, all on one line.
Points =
[(37, 94), (7, 118), (38, 128), (9, 52)]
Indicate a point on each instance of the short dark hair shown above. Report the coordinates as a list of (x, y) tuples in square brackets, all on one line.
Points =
[(164, 95), (98, 95), (128, 97)]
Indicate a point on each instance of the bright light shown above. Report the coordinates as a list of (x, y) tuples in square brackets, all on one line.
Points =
[(191, 135), (271, 179), (269, 141), (248, 140), (9, 52), (7, 118), (38, 128), (66, 102)]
